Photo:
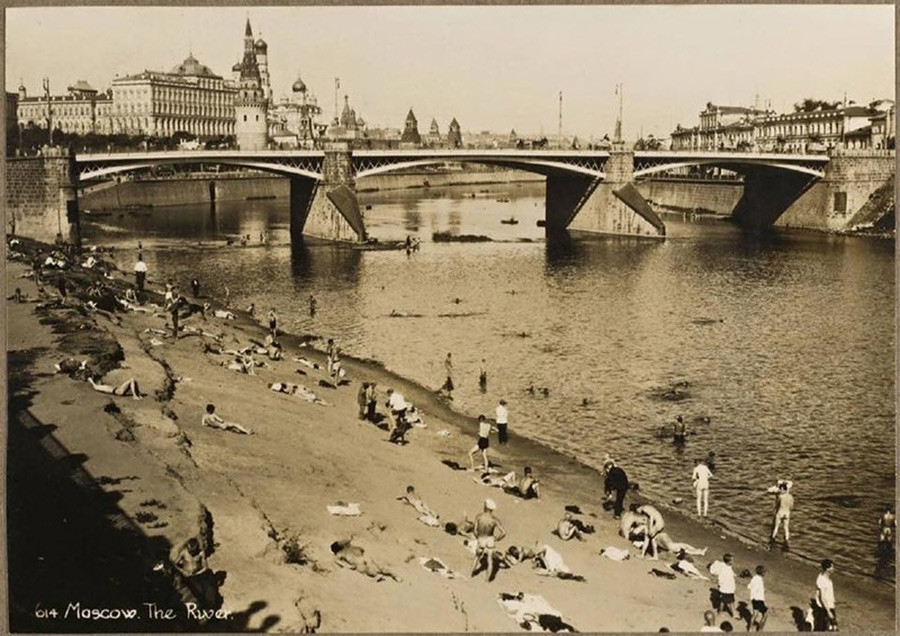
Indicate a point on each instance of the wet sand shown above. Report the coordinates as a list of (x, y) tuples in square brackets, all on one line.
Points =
[(269, 491)]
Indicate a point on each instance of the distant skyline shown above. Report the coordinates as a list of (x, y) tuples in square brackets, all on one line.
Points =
[(492, 67)]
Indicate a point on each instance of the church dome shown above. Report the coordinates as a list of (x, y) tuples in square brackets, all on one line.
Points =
[(193, 68), (299, 86), (261, 44)]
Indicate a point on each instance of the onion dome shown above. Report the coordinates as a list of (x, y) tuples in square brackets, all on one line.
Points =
[(299, 86)]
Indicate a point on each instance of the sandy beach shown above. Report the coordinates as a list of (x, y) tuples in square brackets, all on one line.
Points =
[(99, 494)]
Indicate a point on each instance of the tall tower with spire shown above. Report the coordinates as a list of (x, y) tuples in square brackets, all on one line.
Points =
[(251, 103)]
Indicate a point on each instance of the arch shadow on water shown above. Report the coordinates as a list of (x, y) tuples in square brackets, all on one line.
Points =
[(313, 260), (564, 250)]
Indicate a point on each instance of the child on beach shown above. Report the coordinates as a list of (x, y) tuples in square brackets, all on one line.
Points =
[(758, 599)]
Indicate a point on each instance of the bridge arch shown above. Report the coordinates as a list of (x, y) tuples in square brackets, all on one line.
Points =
[(308, 165), (648, 164)]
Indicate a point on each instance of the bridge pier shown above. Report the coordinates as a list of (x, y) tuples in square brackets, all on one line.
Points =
[(329, 209), (42, 196), (608, 206), (768, 193)]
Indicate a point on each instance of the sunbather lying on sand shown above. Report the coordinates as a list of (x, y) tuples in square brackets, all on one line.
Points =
[(347, 555), (546, 560), (211, 419), (297, 390), (416, 502), (128, 387)]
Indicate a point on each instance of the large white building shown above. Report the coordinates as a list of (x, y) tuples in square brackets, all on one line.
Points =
[(190, 98), (81, 110)]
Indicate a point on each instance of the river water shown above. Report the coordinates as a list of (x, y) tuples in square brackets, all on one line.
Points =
[(782, 345)]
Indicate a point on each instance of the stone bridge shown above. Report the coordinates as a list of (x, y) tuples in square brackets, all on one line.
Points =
[(587, 190)]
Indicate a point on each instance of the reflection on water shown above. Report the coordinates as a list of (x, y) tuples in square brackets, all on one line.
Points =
[(781, 345)]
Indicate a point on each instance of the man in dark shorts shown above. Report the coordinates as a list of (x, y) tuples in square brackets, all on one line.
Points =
[(680, 436), (758, 599), (484, 432), (724, 572)]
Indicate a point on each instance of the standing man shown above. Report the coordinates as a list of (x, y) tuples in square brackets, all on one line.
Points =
[(362, 399), (655, 524), (724, 571), (484, 432), (482, 376), (784, 503), (273, 322), (312, 306), (488, 530), (758, 599), (397, 404), (616, 480), (701, 477), (448, 384), (502, 422), (825, 598), (370, 402), (140, 273), (195, 287), (173, 308), (680, 436)]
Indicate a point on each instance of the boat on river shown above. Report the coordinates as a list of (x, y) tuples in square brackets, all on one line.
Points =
[(510, 221)]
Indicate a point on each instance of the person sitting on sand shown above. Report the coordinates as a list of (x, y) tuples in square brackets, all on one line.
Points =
[(211, 419), (567, 529), (191, 565), (416, 502), (347, 555), (527, 487), (128, 387), (488, 530), (131, 295)]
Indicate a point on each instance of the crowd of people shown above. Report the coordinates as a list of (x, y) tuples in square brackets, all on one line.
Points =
[(643, 523)]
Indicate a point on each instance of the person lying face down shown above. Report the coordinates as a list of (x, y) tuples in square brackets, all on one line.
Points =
[(347, 555)]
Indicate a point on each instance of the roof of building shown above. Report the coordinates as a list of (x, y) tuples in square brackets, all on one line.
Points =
[(261, 44), (410, 116), (299, 86), (865, 131), (732, 110), (248, 32), (82, 86), (193, 68)]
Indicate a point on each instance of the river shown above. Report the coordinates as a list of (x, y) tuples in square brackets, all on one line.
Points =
[(782, 345)]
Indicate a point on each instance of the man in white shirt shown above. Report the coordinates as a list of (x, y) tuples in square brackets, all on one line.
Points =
[(140, 273), (725, 574), (758, 599), (502, 422), (701, 477), (397, 404), (825, 595)]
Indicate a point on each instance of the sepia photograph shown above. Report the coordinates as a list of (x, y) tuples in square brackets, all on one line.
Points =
[(450, 318)]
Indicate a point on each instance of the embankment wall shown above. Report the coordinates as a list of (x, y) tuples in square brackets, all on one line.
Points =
[(708, 196), (229, 188), (40, 199)]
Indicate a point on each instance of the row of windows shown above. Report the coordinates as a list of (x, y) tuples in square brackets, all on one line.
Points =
[(190, 95), (224, 112)]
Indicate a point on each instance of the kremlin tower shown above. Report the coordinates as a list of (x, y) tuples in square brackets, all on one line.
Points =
[(251, 102)]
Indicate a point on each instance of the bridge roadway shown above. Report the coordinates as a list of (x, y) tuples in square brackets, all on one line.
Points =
[(588, 190), (308, 163)]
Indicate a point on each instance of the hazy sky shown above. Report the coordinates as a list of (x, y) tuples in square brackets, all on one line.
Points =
[(492, 68)]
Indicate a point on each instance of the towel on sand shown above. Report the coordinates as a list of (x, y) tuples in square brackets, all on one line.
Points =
[(615, 554), (436, 565), (533, 613), (345, 510)]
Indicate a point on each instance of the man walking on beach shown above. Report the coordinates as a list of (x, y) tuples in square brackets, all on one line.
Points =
[(502, 422), (488, 530), (616, 480), (758, 600), (784, 503), (825, 598), (701, 477), (484, 432), (724, 572), (140, 273)]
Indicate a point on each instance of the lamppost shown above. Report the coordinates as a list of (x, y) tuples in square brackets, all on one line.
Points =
[(46, 84)]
